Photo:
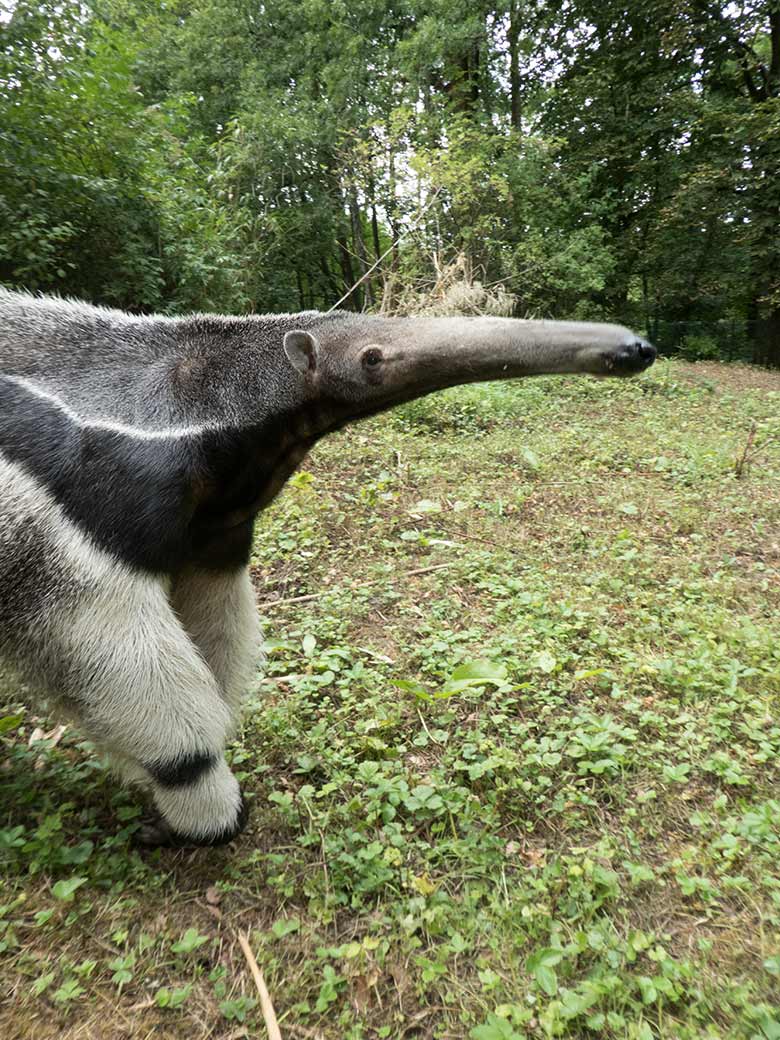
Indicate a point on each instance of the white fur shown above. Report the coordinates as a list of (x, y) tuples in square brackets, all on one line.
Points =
[(136, 432), (205, 808), (140, 686), (219, 612)]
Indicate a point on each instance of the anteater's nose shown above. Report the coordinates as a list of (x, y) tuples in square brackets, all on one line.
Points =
[(647, 351), (634, 356)]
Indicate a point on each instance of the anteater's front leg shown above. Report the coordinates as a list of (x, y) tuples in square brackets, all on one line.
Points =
[(83, 627), (144, 692), (219, 613)]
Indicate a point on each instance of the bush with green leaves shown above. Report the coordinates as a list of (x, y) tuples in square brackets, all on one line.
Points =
[(698, 347)]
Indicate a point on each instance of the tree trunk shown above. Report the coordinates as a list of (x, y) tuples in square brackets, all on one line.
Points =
[(772, 339), (347, 271), (301, 294), (332, 287), (359, 244), (514, 65), (374, 221), (392, 210), (773, 77)]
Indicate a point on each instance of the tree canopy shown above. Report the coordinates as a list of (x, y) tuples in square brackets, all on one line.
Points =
[(600, 159)]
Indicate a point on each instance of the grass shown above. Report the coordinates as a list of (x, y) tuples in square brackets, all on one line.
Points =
[(532, 792)]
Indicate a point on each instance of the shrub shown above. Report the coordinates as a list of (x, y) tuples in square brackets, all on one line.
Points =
[(698, 347)]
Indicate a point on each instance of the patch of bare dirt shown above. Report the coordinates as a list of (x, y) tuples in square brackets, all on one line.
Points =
[(730, 376)]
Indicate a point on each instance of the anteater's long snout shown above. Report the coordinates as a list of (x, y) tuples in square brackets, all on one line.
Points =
[(635, 356), (461, 350)]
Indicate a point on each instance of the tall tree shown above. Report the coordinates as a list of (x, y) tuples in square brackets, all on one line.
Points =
[(601, 159)]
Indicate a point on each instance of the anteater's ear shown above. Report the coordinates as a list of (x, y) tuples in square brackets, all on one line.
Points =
[(301, 349)]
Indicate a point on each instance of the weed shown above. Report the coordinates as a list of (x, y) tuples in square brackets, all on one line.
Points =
[(513, 767)]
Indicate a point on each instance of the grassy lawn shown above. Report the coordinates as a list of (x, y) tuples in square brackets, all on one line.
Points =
[(513, 763)]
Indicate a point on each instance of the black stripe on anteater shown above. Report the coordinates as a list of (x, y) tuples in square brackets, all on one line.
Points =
[(182, 771), (155, 504), (130, 495)]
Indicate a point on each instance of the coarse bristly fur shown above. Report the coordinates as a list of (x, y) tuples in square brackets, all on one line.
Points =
[(135, 455)]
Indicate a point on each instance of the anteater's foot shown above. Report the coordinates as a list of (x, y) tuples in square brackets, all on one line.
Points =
[(158, 833)]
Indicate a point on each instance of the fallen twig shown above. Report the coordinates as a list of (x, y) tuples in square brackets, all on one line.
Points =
[(304, 1031), (142, 1005), (353, 588), (269, 1015), (54, 735), (742, 461)]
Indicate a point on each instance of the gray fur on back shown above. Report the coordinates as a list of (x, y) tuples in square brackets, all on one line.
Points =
[(135, 455), (153, 371)]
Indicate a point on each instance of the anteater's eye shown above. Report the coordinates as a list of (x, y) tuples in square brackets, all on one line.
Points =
[(372, 358)]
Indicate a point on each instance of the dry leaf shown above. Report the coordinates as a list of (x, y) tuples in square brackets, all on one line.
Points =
[(54, 735)]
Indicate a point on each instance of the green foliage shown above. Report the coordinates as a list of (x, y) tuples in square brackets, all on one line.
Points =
[(242, 157), (530, 793), (238, 1009), (65, 890), (698, 348), (174, 998), (189, 942)]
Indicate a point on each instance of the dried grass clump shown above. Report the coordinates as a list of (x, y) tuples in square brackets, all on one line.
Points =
[(455, 290)]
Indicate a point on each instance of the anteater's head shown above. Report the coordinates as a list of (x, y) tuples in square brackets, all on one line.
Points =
[(338, 367), (359, 365)]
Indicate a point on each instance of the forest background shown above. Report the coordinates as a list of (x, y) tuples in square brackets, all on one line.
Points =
[(596, 159)]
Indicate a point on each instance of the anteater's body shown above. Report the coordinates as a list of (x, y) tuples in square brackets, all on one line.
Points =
[(135, 454)]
